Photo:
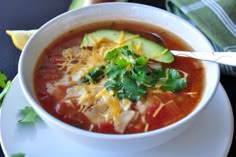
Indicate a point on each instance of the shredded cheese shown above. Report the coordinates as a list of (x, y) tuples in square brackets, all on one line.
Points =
[(84, 97), (155, 55), (191, 94), (138, 49), (159, 108), (130, 38), (121, 38), (146, 127), (101, 93)]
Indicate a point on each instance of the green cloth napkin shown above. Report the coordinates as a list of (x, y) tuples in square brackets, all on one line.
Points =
[(216, 19)]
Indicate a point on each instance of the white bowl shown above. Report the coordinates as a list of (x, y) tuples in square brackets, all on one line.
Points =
[(107, 11)]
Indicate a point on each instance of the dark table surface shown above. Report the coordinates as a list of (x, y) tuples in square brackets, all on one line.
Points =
[(31, 14)]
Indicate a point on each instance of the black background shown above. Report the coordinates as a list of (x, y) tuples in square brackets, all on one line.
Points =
[(31, 14)]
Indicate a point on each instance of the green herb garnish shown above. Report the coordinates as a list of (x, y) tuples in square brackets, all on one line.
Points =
[(3, 79), (170, 80), (129, 75), (4, 84), (18, 155), (126, 88), (29, 115), (94, 75)]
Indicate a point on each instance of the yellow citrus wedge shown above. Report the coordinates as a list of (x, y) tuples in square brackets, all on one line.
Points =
[(20, 37)]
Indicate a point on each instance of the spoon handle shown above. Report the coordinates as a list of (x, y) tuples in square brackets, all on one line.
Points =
[(228, 58)]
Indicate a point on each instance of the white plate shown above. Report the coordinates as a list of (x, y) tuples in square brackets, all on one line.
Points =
[(210, 136)]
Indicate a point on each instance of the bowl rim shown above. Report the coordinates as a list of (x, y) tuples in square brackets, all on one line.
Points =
[(47, 116)]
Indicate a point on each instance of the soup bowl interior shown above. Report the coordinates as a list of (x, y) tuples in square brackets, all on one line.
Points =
[(115, 11)]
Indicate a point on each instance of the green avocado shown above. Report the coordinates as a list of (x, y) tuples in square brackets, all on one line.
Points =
[(150, 49)]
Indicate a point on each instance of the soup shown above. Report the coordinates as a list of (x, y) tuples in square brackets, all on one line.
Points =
[(87, 80)]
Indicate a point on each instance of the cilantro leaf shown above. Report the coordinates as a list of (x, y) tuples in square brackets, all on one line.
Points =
[(4, 84), (4, 91), (29, 115), (119, 72), (112, 54), (126, 88), (3, 79), (94, 75), (130, 88), (170, 80), (121, 62), (113, 85), (18, 155), (125, 51), (141, 60), (145, 76), (174, 85), (129, 75), (114, 71)]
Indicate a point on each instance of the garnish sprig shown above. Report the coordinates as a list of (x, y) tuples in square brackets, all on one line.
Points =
[(129, 75)]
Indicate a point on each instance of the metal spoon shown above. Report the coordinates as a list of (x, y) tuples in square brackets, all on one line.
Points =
[(227, 58)]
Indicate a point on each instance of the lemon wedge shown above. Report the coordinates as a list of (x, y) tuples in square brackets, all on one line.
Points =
[(20, 37)]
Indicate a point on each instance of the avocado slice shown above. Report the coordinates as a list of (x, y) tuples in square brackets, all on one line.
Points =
[(149, 48)]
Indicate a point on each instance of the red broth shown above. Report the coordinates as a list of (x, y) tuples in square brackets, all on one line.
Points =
[(162, 109)]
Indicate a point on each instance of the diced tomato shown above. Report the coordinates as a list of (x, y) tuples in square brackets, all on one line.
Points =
[(41, 90), (135, 127), (167, 115), (62, 108), (153, 122), (48, 74), (105, 127), (77, 119)]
